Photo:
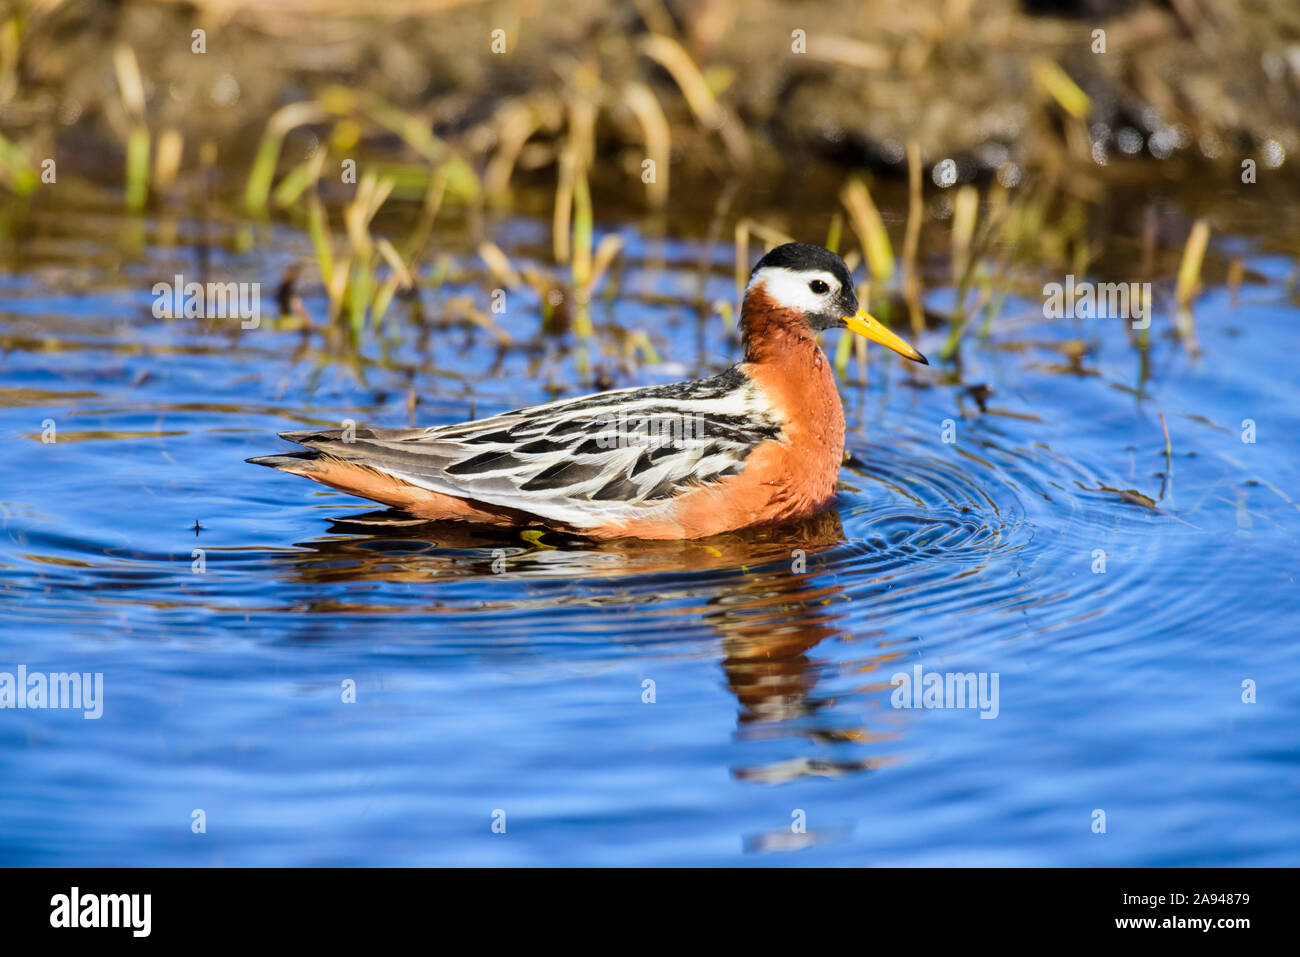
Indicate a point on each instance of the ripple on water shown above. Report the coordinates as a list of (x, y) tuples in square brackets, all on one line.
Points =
[(489, 662)]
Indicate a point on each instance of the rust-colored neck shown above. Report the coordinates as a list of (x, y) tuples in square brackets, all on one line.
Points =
[(773, 334), (782, 355)]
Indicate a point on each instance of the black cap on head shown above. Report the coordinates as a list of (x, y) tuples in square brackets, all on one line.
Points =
[(807, 256), (797, 282), (824, 312)]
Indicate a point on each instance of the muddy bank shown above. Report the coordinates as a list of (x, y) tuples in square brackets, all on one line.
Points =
[(721, 88)]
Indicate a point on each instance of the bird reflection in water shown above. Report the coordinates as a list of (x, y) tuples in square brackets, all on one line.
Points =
[(766, 601)]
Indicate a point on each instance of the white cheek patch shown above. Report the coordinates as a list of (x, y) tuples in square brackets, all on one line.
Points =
[(789, 287)]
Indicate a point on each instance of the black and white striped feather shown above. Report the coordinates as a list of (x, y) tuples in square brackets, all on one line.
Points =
[(606, 457)]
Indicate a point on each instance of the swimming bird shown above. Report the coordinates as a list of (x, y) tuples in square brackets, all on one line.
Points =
[(760, 443)]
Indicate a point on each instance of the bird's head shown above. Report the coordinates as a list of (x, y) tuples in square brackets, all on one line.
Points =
[(802, 284)]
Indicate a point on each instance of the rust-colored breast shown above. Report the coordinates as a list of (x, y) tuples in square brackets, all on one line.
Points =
[(795, 374), (783, 357), (784, 479)]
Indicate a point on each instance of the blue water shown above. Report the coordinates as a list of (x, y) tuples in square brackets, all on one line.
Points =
[(517, 693)]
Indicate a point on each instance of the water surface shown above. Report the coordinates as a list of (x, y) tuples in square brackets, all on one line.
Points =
[(1121, 602)]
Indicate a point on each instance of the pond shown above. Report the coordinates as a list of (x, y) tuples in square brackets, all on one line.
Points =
[(287, 679)]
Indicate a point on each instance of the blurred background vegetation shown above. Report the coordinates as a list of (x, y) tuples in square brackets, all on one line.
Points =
[(1014, 129), (987, 82)]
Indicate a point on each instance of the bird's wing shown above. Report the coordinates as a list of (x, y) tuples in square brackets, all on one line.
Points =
[(583, 461)]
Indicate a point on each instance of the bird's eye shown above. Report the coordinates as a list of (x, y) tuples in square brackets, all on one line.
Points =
[(819, 286)]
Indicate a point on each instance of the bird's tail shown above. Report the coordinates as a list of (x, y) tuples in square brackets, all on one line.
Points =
[(305, 461), (299, 463), (349, 466)]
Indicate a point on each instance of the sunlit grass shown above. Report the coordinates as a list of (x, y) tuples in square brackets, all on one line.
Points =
[(365, 154)]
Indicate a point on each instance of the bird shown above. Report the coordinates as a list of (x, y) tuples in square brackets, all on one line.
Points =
[(758, 444)]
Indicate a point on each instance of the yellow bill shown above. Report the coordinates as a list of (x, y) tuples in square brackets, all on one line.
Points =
[(864, 324)]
